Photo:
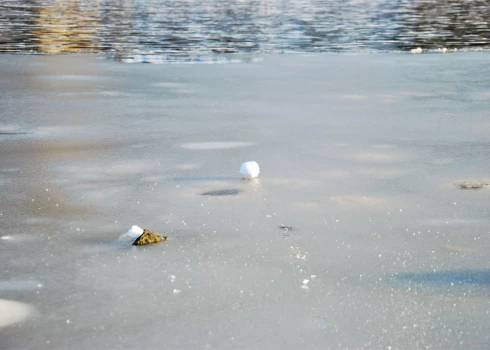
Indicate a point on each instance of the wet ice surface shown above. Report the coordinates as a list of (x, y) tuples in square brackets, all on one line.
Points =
[(360, 154)]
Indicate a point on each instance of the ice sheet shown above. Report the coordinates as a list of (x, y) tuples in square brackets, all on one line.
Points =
[(361, 155)]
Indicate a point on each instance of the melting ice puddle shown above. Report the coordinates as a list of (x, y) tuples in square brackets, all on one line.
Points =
[(320, 322), (10, 130), (448, 277), (216, 145), (9, 170), (23, 285), (13, 312)]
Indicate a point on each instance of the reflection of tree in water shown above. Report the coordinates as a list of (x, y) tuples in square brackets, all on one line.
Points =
[(58, 26), (182, 29), (435, 24), (65, 26)]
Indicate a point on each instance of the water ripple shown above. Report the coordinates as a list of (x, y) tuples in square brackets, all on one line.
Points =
[(214, 31)]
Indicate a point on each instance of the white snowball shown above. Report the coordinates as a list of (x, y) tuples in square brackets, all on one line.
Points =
[(250, 170), (135, 231), (131, 235)]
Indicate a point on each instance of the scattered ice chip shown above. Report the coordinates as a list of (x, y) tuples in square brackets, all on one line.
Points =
[(249, 170), (177, 291), (313, 276), (304, 286), (6, 238), (306, 281), (417, 50)]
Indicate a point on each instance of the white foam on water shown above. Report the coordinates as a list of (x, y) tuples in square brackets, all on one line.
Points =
[(13, 312), (215, 145)]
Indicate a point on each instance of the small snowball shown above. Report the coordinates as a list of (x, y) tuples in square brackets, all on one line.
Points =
[(417, 50), (135, 231), (132, 234), (249, 170)]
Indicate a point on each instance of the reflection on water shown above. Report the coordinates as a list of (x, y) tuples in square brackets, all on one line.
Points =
[(166, 30)]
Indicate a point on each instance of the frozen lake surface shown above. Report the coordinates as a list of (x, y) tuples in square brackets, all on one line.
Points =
[(355, 235)]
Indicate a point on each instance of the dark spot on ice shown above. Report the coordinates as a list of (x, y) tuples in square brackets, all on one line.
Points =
[(286, 228), (472, 185), (452, 276), (12, 133), (227, 192)]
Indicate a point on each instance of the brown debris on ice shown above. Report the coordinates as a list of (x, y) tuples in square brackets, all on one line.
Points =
[(149, 237)]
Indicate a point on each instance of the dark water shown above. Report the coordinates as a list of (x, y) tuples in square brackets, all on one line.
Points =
[(165, 30)]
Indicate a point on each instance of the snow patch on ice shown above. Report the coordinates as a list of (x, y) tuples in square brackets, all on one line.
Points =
[(13, 312)]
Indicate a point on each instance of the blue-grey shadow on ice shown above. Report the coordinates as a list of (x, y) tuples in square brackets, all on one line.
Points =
[(13, 133), (225, 192), (481, 277)]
